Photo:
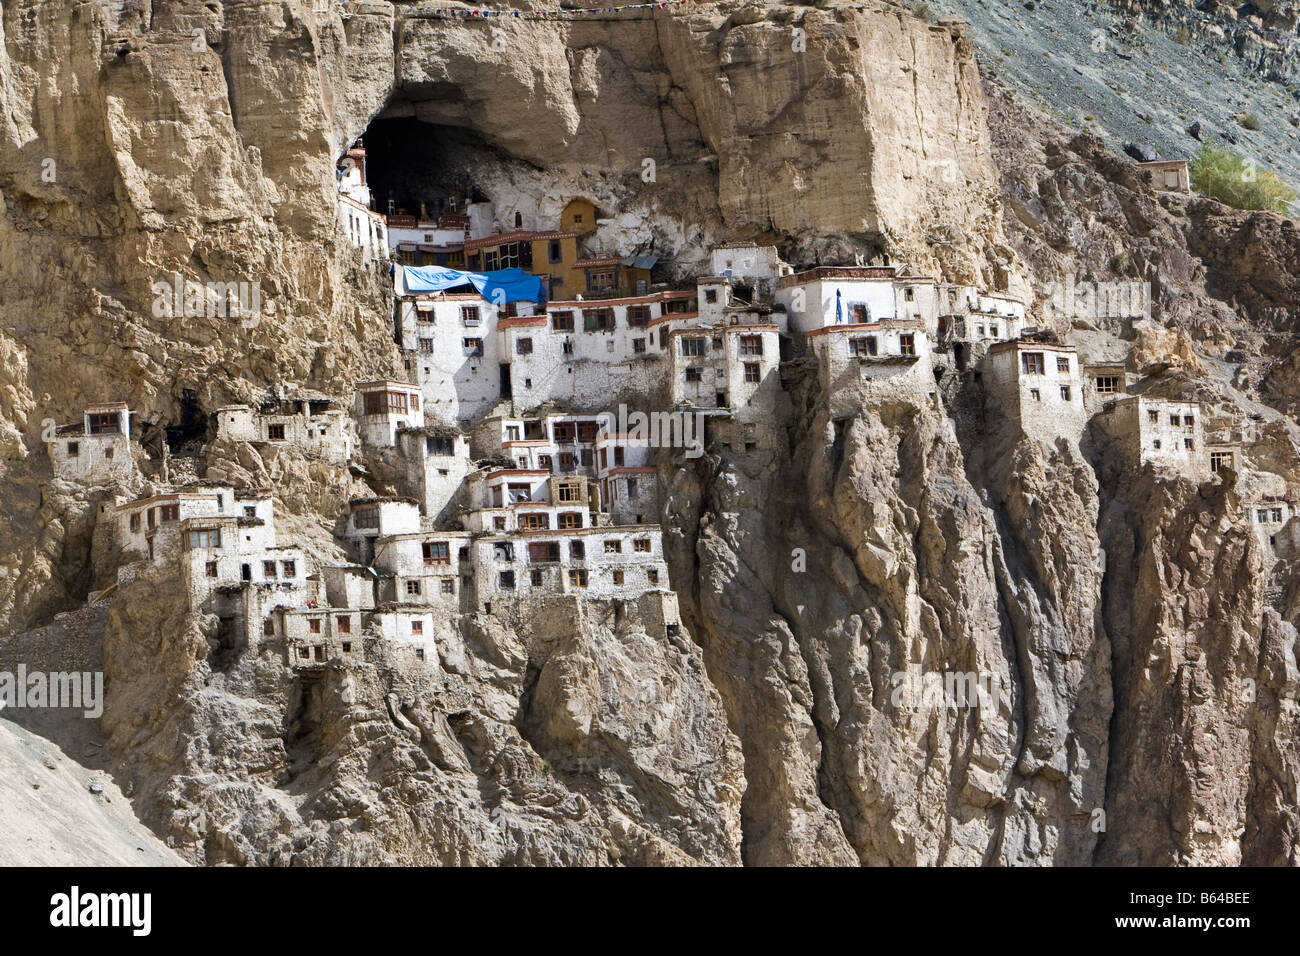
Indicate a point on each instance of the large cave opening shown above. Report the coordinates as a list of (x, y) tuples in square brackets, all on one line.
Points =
[(425, 169)]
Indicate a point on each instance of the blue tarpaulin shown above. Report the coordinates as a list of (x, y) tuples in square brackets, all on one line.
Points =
[(500, 287)]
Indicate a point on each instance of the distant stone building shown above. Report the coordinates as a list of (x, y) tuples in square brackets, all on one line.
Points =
[(383, 407), (1035, 388), (1164, 433), (885, 359), (98, 449), (314, 426)]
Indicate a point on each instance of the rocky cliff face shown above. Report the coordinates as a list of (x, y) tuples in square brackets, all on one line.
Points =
[(1140, 710)]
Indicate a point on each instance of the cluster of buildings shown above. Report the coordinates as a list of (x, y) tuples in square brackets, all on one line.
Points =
[(514, 480)]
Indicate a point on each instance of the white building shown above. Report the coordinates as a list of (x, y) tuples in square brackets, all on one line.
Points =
[(453, 351), (623, 562), (1168, 434), (629, 484), (371, 518), (150, 528), (1035, 387), (426, 568), (98, 450), (364, 228), (312, 426), (837, 295), (437, 460), (383, 407), (733, 367), (885, 359)]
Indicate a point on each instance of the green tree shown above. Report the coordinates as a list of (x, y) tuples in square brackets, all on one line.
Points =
[(1231, 180)]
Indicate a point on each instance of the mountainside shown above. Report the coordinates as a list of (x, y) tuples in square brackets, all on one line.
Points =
[(1141, 636)]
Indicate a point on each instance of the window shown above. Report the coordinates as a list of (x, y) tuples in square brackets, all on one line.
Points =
[(169, 513), (1107, 384), (638, 316), (1035, 394), (1220, 461), (717, 343), (1156, 444), (250, 511), (578, 550), (443, 447), (426, 346), (1189, 444), (587, 432), (569, 520), (268, 628), (618, 578), (275, 432), (863, 345), (1277, 514), (135, 521), (1189, 421), (383, 403), (469, 315), (711, 296), (567, 461), (417, 627), (313, 625), (534, 522), (1065, 393), (1032, 363), (751, 345), (268, 569), (907, 344), (536, 578), (693, 345), (638, 346), (554, 251), (613, 546), (569, 491), (472, 347), (211, 569), (652, 576), (1175, 420), (908, 295), (74, 449), (506, 580), (344, 624), (561, 321), (568, 350), (693, 374), (524, 347), (598, 320), (436, 552), (516, 492), (602, 280), (103, 423), (206, 539), (641, 545), (365, 518), (503, 551), (993, 331), (1063, 364), (631, 489), (498, 523), (578, 577), (447, 585), (543, 552), (1261, 516), (752, 373), (1153, 417)]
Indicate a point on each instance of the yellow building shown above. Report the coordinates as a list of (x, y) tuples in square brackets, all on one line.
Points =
[(579, 216), (551, 255)]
